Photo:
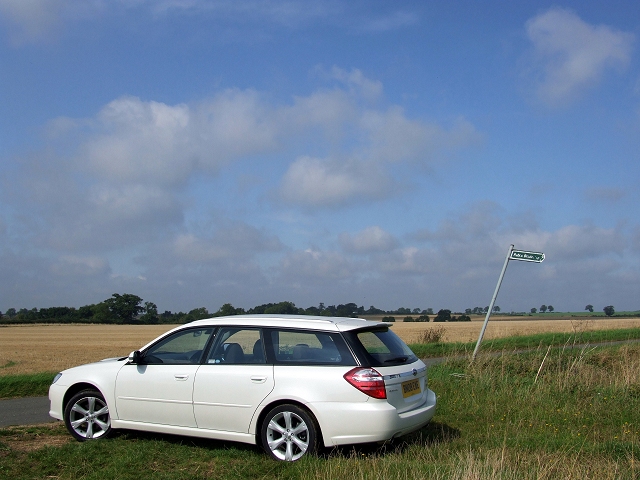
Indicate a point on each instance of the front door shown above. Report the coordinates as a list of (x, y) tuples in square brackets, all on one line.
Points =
[(233, 381), (159, 389)]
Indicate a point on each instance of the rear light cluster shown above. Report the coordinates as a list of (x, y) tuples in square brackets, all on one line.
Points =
[(368, 381)]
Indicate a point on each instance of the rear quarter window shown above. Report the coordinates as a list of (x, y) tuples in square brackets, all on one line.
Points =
[(304, 347)]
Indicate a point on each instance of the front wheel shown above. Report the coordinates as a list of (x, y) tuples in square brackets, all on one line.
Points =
[(87, 416), (288, 432)]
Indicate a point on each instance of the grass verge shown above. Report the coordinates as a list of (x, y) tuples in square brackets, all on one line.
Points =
[(546, 414), (27, 385)]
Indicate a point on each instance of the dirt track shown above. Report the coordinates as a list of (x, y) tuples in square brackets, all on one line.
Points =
[(51, 348)]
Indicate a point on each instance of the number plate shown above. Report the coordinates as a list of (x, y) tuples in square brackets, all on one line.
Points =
[(412, 387)]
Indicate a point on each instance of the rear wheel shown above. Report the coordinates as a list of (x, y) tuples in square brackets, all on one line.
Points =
[(288, 432), (87, 416)]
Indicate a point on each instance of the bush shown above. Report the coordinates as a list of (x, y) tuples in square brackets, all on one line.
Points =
[(388, 319), (408, 319)]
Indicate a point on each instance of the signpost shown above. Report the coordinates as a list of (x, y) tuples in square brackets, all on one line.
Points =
[(536, 257)]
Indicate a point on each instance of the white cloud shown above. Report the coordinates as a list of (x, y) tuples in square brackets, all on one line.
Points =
[(572, 55), (134, 140), (370, 240), (371, 90), (312, 182)]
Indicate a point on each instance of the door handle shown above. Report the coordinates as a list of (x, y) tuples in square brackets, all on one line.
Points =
[(181, 377), (258, 379)]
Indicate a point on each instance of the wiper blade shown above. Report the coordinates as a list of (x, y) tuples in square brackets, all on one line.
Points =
[(397, 359)]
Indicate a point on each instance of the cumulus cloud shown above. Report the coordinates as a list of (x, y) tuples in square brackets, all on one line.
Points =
[(571, 55), (147, 141), (312, 182), (370, 240), (378, 138)]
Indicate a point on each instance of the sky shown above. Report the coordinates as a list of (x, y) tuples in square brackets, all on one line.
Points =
[(202, 152)]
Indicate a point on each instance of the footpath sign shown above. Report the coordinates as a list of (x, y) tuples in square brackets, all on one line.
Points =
[(536, 257)]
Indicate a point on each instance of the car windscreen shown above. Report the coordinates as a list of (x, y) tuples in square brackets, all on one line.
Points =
[(381, 347)]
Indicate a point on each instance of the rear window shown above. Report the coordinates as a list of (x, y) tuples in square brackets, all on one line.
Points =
[(382, 347)]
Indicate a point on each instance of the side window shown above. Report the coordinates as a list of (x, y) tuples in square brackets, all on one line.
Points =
[(183, 347), (309, 348), (384, 348), (237, 346)]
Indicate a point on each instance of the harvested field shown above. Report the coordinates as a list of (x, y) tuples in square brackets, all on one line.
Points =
[(469, 331), (51, 348)]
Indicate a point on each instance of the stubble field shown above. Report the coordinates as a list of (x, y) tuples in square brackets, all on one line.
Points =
[(49, 348)]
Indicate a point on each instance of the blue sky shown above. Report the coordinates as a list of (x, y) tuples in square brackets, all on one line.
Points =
[(198, 152)]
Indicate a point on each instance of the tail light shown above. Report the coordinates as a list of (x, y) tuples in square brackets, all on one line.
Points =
[(368, 381)]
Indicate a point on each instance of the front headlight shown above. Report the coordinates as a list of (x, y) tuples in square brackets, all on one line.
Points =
[(56, 378)]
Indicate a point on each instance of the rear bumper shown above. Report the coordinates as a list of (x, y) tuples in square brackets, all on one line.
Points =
[(378, 421)]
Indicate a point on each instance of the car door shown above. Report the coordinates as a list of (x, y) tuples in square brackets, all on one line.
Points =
[(159, 388), (232, 381)]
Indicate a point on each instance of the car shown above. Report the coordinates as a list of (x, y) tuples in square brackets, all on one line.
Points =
[(290, 384)]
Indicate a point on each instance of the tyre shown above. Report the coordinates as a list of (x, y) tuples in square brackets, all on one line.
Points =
[(87, 417), (288, 432)]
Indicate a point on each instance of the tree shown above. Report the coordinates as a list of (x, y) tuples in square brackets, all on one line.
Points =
[(444, 315), (589, 307), (534, 310), (468, 311), (11, 312), (609, 311), (496, 309), (550, 308), (124, 307), (543, 308), (150, 313), (227, 309)]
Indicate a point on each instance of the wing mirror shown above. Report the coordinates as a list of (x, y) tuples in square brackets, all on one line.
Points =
[(135, 357)]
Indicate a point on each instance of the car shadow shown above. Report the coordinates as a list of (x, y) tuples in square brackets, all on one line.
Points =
[(428, 436), (204, 443)]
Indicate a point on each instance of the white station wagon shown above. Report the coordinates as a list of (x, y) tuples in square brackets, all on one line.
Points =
[(286, 383)]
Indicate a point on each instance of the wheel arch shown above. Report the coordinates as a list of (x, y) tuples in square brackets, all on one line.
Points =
[(77, 388), (276, 403)]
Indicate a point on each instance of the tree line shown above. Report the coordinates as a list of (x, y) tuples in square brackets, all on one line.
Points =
[(132, 309)]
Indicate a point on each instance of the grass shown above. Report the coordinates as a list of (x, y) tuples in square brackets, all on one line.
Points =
[(580, 335), (26, 385), (545, 414)]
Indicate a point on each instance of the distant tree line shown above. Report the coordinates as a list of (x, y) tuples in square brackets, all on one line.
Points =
[(131, 309)]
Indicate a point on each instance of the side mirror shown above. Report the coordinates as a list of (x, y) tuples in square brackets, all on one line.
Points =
[(135, 357)]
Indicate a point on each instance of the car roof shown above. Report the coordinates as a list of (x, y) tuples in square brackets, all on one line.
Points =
[(333, 324)]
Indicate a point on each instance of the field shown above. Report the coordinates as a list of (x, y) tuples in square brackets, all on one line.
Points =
[(30, 349)]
